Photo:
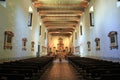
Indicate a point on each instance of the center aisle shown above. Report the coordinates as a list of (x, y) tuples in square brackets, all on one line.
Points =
[(60, 71)]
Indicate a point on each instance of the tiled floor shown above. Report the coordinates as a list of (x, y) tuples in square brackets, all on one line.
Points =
[(60, 71)]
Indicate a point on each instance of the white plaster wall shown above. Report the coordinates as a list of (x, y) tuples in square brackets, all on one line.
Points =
[(43, 41), (107, 18), (14, 17)]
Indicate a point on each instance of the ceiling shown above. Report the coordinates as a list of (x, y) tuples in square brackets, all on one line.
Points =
[(60, 16)]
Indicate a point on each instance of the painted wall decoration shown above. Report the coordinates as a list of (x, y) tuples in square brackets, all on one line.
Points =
[(24, 41), (113, 40), (8, 39), (32, 45), (97, 41), (89, 45)]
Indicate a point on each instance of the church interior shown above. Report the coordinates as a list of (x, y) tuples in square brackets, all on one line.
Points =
[(60, 40)]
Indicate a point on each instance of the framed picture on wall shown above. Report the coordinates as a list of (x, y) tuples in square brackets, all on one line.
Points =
[(8, 39), (113, 40)]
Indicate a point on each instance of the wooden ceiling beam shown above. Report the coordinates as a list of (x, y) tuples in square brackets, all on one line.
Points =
[(60, 31), (51, 27), (60, 25), (61, 22), (61, 14), (40, 4), (62, 18), (60, 34)]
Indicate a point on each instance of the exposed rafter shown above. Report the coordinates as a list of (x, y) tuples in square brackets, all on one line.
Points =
[(60, 16)]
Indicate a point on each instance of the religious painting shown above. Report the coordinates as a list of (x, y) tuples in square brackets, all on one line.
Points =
[(97, 41), (8, 39), (113, 40), (24, 41)]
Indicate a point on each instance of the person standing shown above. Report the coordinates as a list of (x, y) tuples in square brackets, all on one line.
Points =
[(60, 58)]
